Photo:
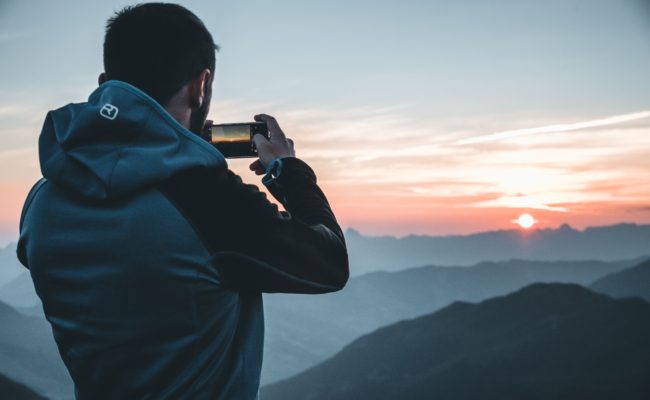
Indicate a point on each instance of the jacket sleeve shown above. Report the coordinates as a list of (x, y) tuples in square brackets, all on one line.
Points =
[(252, 244)]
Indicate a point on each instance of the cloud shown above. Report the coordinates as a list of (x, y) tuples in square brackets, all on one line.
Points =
[(383, 154), (617, 119), (384, 162), (523, 202)]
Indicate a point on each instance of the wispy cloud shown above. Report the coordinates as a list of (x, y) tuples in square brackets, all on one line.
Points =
[(617, 119)]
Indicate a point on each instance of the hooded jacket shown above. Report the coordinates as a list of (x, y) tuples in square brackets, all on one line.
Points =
[(150, 256)]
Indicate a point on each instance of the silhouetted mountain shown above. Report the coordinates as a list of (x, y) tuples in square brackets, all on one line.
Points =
[(11, 390), (607, 243), (302, 330), (632, 282), (19, 292), (28, 354), (10, 267), (547, 341)]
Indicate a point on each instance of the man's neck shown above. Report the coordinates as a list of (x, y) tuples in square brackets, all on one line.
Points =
[(177, 107)]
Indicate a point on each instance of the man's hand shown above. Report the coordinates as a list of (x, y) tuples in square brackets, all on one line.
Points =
[(269, 150)]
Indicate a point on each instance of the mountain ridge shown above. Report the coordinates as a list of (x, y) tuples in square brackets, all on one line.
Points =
[(537, 342), (630, 282), (605, 243), (303, 330)]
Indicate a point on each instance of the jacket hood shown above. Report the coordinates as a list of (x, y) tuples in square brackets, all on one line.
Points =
[(118, 142)]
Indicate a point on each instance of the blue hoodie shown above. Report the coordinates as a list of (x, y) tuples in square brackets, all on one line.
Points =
[(138, 240)]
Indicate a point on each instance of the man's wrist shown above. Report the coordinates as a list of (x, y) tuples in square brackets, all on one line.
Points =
[(273, 170), (288, 170)]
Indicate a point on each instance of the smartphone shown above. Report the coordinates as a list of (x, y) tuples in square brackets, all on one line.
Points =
[(236, 140)]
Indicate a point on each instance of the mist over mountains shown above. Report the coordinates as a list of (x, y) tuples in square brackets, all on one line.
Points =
[(606, 243), (302, 330), (546, 341)]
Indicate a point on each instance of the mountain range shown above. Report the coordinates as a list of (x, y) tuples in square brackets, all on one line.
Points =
[(546, 341), (389, 253), (605, 243), (302, 330)]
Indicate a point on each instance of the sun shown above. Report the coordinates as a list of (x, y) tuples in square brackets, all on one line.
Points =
[(526, 221)]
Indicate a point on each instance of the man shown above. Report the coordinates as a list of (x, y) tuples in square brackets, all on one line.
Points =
[(149, 254)]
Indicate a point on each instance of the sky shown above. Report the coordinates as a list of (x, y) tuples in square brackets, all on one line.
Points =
[(419, 117)]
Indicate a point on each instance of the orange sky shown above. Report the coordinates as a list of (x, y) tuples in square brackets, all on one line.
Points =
[(387, 174)]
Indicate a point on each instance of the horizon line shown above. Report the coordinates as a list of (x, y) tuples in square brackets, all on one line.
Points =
[(530, 230), (523, 231)]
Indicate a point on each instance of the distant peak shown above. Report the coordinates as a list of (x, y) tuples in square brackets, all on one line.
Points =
[(11, 246), (565, 228), (352, 232), (555, 292)]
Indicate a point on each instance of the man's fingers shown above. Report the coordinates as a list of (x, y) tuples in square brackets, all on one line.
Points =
[(277, 146), (255, 165), (272, 124)]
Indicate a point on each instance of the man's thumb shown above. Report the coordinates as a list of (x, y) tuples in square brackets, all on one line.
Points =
[(260, 141), (262, 145)]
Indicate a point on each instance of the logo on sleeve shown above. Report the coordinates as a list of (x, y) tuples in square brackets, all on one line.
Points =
[(109, 111)]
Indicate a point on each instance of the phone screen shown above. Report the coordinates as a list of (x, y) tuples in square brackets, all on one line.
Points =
[(231, 134)]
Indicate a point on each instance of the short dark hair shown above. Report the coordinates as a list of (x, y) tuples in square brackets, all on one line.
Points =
[(157, 47)]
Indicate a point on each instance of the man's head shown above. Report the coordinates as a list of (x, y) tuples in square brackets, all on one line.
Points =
[(167, 52)]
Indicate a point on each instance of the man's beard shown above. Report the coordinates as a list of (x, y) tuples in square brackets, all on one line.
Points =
[(198, 117)]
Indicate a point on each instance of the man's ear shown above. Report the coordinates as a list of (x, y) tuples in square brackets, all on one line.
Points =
[(101, 79), (197, 88)]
